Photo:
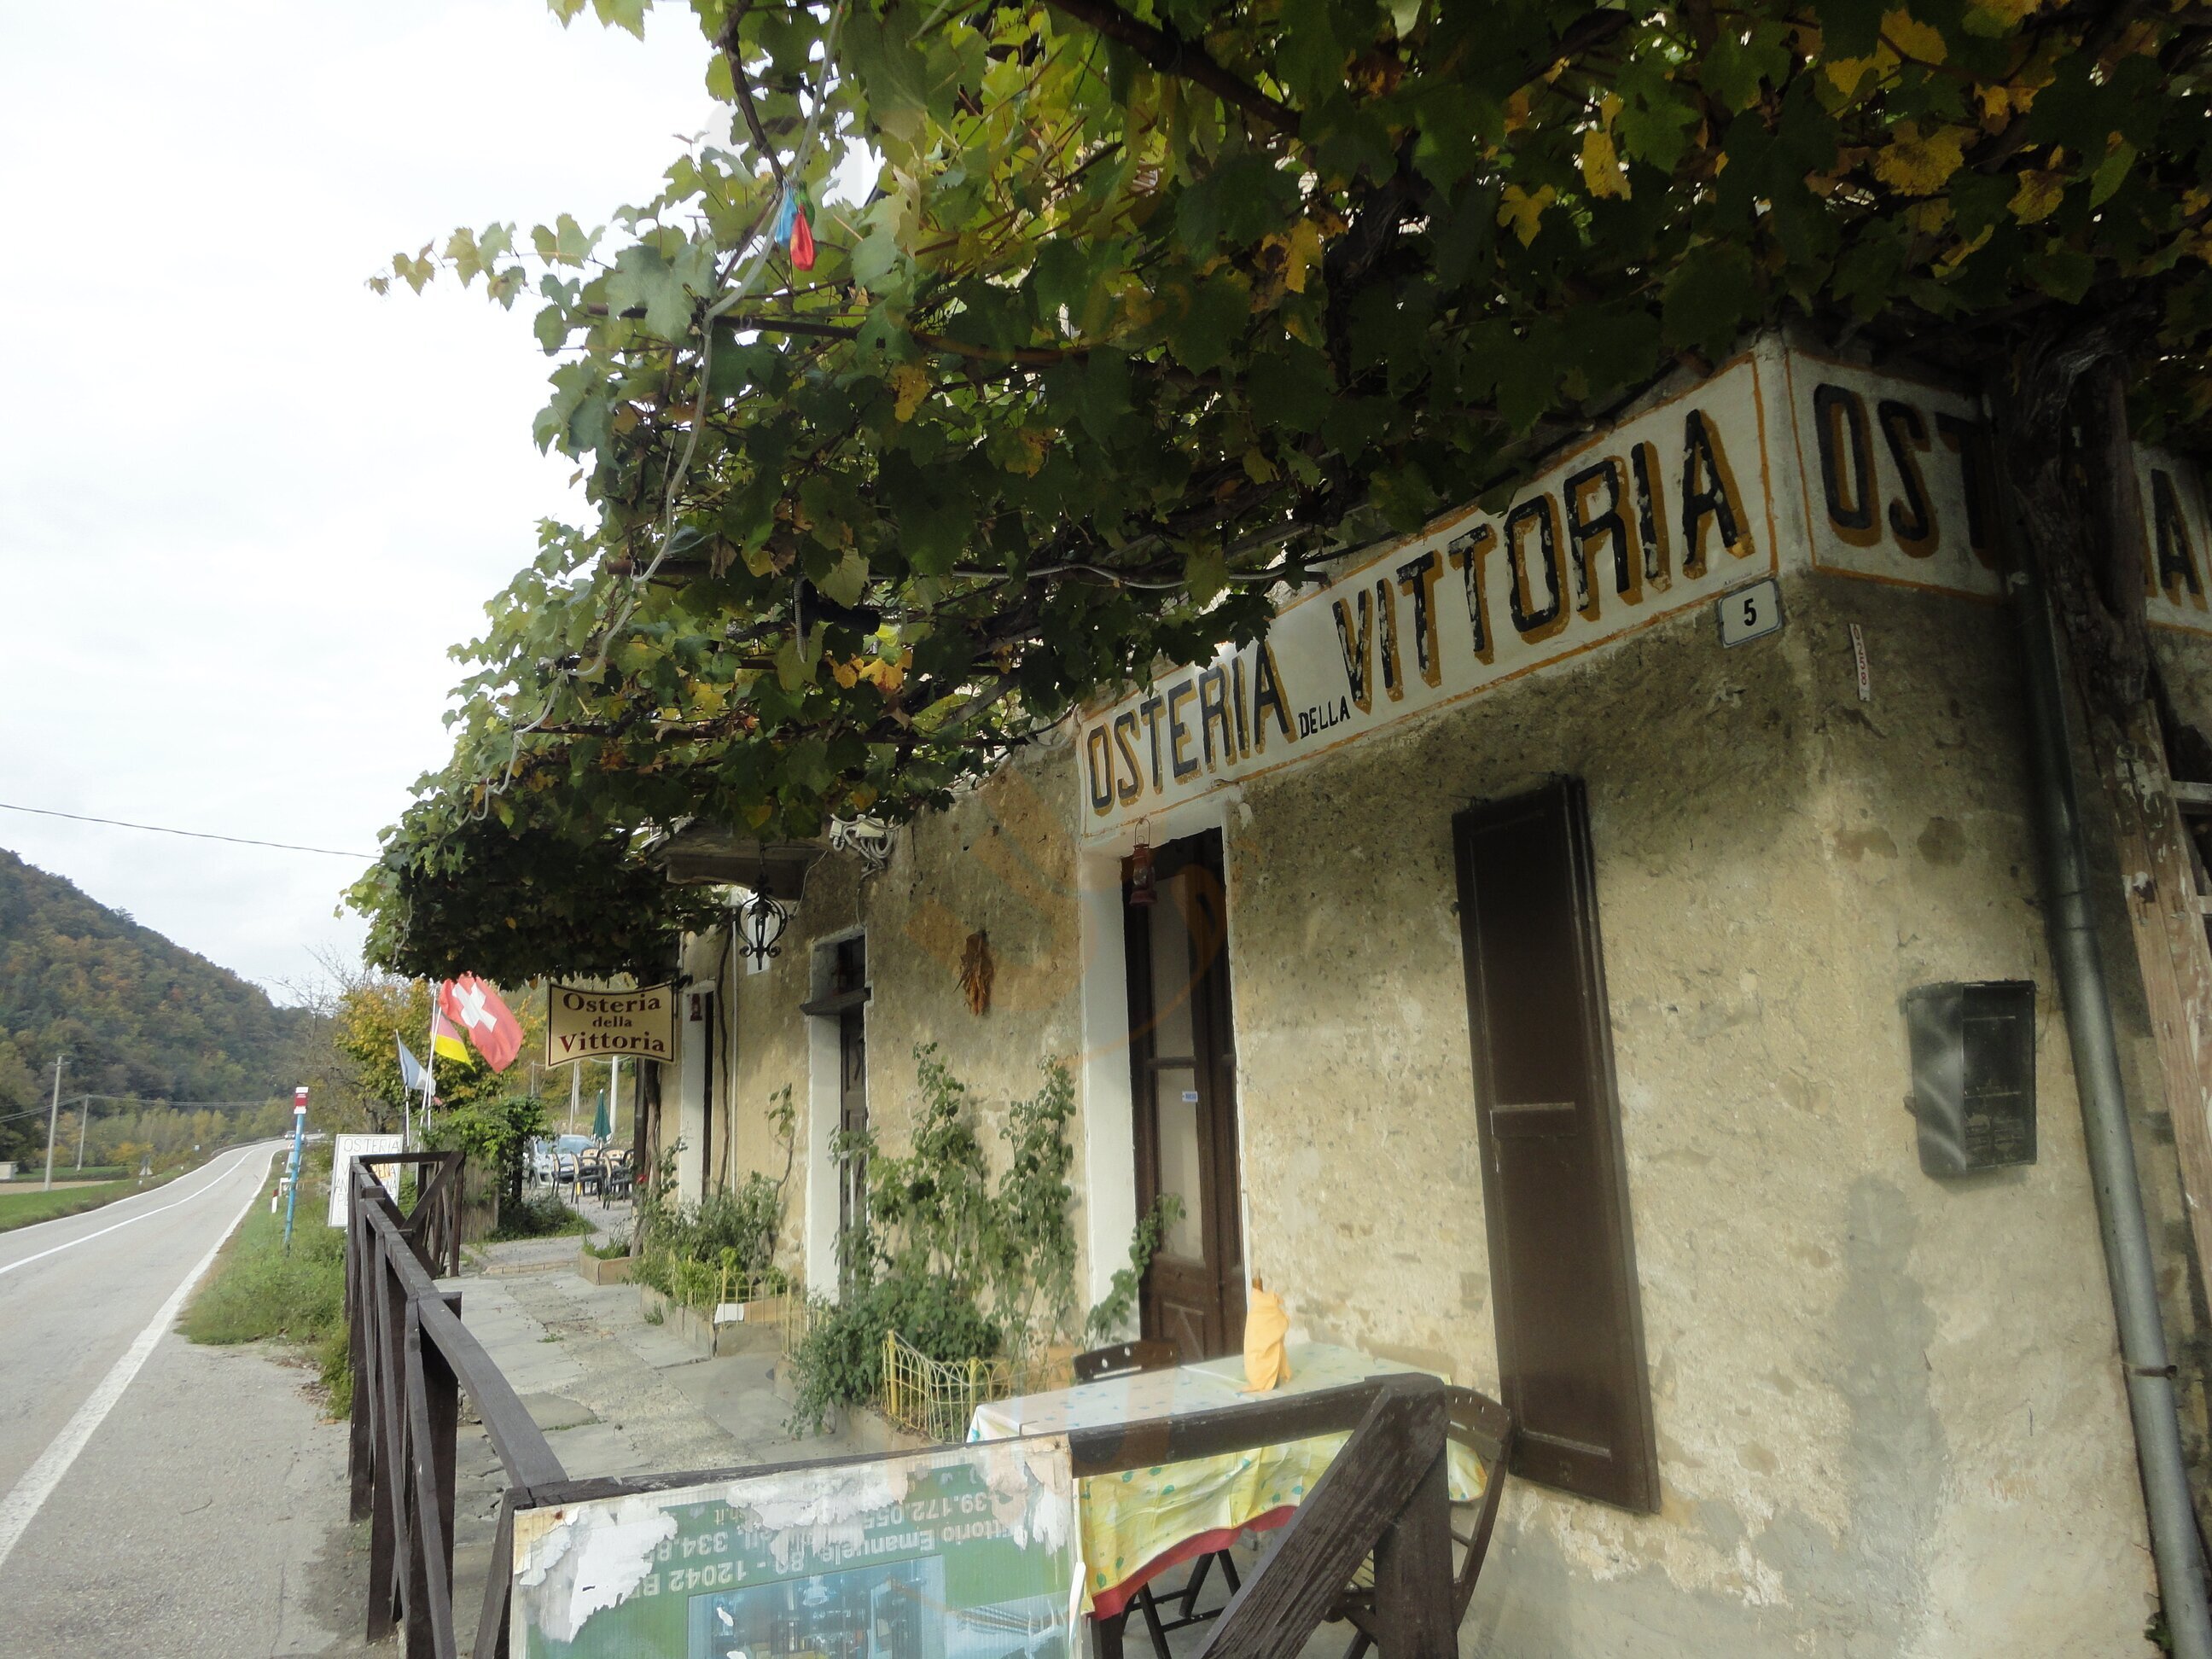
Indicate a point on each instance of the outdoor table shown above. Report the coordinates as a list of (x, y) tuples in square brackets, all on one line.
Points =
[(1136, 1524)]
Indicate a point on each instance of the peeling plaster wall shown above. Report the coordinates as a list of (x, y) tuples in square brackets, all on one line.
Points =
[(1889, 1417), (1889, 1409), (1001, 860)]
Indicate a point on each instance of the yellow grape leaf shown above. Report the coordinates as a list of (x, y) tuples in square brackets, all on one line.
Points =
[(847, 674), (1521, 210), (1927, 218), (1913, 37), (2037, 195), (909, 385), (1300, 250), (1848, 72), (1030, 450), (1914, 165), (1516, 110), (1602, 169)]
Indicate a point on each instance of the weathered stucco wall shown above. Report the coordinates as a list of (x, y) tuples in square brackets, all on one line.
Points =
[(1888, 1415), (1000, 861), (1888, 1408)]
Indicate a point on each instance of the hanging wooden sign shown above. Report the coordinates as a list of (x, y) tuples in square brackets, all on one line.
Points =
[(585, 1022)]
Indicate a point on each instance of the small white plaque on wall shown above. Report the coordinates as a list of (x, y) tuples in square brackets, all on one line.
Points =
[(1751, 612)]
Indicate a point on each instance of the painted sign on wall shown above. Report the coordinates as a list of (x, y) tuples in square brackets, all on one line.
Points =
[(1899, 485), (1691, 499), (962, 1552), (1665, 513), (585, 1023)]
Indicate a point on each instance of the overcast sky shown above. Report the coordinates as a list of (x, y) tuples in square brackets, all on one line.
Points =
[(244, 504)]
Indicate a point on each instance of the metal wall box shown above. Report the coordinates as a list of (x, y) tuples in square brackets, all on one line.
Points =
[(1973, 1074)]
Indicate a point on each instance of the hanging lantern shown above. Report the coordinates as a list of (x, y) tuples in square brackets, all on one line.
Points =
[(760, 925), (1142, 890)]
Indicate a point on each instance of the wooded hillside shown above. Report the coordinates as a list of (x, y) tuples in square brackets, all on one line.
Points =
[(138, 1013)]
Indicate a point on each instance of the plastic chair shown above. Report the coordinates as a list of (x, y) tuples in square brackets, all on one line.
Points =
[(1485, 1427)]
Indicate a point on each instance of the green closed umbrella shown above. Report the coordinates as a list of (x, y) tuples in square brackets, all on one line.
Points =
[(600, 1128)]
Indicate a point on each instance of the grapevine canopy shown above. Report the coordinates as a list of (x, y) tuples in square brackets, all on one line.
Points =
[(1151, 308)]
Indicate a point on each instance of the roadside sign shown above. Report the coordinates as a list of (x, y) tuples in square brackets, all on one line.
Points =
[(958, 1553), (345, 1149)]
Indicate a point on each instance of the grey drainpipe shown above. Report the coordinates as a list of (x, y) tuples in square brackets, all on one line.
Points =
[(2147, 1372)]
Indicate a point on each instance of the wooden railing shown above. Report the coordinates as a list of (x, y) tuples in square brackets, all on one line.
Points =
[(1385, 1495), (411, 1357)]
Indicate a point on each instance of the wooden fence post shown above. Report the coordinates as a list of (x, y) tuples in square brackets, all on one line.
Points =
[(388, 1518), (433, 1422), (1414, 1600), (359, 1440)]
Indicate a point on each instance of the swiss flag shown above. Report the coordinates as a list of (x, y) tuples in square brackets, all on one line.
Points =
[(476, 1008)]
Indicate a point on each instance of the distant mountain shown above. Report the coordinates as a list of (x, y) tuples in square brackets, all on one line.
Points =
[(138, 1014)]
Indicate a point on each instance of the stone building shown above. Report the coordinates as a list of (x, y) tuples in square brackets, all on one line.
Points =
[(1535, 921)]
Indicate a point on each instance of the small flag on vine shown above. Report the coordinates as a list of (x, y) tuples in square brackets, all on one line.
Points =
[(792, 230)]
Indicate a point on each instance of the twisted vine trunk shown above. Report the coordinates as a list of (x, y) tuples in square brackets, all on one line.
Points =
[(2062, 440), (2065, 447)]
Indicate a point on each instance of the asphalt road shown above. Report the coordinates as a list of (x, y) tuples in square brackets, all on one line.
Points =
[(156, 1496)]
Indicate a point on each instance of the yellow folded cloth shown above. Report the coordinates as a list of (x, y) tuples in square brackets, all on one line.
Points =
[(1267, 1325)]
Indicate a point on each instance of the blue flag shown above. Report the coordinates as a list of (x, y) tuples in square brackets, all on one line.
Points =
[(411, 1069)]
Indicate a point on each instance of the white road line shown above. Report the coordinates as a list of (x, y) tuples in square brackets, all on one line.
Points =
[(143, 1215), (39, 1483)]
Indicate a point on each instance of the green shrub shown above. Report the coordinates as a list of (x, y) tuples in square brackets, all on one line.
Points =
[(495, 1135), (960, 1264), (840, 1363), (540, 1215), (724, 1243)]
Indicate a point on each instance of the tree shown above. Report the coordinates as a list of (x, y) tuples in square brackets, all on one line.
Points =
[(1150, 311), (356, 1077)]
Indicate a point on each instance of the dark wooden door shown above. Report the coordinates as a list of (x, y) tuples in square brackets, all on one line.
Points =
[(849, 976), (1563, 1263), (1182, 1061)]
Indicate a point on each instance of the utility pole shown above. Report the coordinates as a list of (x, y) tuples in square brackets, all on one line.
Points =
[(53, 1116), (84, 1122)]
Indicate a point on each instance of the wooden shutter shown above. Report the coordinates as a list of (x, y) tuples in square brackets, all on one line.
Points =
[(1562, 1261)]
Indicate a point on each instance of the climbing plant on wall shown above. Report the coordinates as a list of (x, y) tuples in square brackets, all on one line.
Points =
[(1149, 309)]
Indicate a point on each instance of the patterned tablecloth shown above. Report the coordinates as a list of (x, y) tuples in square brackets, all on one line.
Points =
[(1139, 1522)]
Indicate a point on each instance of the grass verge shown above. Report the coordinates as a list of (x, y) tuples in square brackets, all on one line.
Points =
[(22, 1209), (257, 1289), (28, 1175)]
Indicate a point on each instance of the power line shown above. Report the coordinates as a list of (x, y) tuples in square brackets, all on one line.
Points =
[(197, 834)]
